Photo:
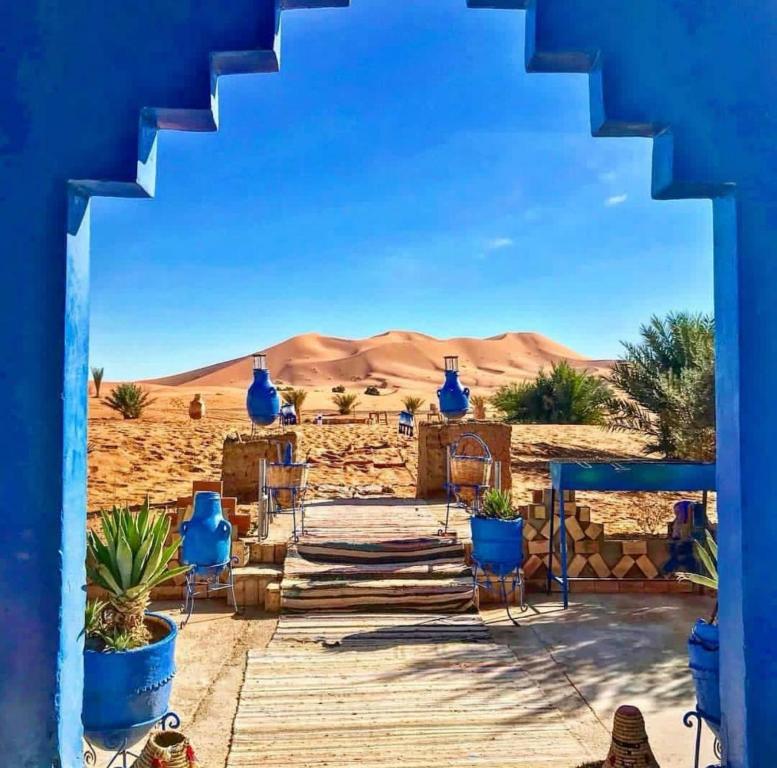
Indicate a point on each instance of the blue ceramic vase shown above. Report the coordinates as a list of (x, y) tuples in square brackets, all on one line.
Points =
[(262, 401), (704, 661), (454, 399), (497, 545), (127, 692), (207, 536)]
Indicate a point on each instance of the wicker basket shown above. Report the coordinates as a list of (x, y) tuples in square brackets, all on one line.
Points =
[(167, 749), (282, 479), (470, 464), (630, 747)]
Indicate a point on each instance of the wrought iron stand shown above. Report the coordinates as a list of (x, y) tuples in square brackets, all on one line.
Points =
[(482, 578), (297, 506), (121, 751), (208, 576), (688, 722), (453, 490)]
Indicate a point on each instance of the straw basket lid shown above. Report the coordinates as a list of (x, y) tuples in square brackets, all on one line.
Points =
[(630, 747), (167, 749)]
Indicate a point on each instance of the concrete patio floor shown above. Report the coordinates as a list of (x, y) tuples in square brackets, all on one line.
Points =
[(608, 650)]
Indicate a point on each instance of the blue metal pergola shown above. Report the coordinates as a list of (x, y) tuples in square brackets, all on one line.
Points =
[(614, 475)]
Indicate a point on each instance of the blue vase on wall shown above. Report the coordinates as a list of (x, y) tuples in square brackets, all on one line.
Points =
[(453, 398), (262, 401), (207, 537)]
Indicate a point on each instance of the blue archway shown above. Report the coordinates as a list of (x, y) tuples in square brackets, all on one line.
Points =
[(697, 77)]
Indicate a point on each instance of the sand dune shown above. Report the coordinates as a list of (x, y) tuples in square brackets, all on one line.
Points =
[(404, 359)]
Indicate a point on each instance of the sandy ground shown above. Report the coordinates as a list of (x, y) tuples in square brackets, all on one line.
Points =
[(161, 453)]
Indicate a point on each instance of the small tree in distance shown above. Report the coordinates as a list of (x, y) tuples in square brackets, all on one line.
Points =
[(412, 404), (97, 377), (295, 397), (129, 400), (345, 403)]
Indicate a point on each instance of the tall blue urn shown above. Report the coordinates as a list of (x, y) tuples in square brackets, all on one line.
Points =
[(127, 692), (207, 537), (262, 400), (497, 545), (453, 398), (704, 661)]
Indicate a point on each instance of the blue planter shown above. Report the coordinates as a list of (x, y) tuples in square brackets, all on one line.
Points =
[(497, 544), (453, 398), (704, 661), (207, 537), (262, 401), (128, 692)]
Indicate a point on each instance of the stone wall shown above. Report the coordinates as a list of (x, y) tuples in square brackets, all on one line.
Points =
[(240, 463), (433, 442)]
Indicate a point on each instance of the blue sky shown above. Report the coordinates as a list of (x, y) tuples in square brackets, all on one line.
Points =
[(401, 171)]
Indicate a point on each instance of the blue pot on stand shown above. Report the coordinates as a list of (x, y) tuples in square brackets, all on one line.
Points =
[(207, 537), (453, 398), (497, 545), (262, 400), (126, 693), (704, 661)]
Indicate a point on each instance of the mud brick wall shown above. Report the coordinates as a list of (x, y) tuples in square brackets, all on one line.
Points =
[(240, 463), (433, 442)]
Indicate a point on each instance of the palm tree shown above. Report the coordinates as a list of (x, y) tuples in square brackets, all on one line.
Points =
[(563, 396), (129, 400), (97, 376), (295, 397), (345, 403), (668, 380), (412, 404)]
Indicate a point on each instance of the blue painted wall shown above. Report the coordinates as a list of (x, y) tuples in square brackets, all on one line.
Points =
[(697, 76)]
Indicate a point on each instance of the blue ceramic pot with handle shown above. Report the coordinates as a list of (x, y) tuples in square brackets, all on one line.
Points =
[(262, 401), (453, 398), (126, 693), (704, 661), (207, 537)]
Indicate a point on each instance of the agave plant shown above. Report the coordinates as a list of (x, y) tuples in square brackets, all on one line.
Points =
[(345, 403), (130, 400), (412, 404), (707, 555), (498, 505), (129, 561)]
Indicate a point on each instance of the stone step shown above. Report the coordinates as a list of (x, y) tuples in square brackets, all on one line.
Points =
[(453, 594), (298, 567), (387, 551)]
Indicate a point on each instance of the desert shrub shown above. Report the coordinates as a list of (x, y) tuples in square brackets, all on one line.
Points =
[(130, 400), (372, 391), (345, 403), (339, 389), (668, 380), (479, 403), (295, 397), (563, 396), (97, 377), (412, 404)]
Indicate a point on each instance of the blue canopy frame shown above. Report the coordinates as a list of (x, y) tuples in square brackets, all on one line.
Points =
[(615, 475)]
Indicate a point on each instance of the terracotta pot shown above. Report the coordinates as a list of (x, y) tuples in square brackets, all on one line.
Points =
[(197, 408)]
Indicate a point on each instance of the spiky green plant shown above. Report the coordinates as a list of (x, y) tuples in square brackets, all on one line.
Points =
[(706, 554), (130, 400), (129, 560), (345, 403), (668, 380), (97, 377), (563, 396), (498, 505), (295, 397), (412, 404)]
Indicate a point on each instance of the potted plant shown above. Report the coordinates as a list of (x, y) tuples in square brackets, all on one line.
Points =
[(703, 643), (129, 654), (497, 533)]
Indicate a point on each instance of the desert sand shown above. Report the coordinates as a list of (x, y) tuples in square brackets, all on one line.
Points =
[(160, 454)]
